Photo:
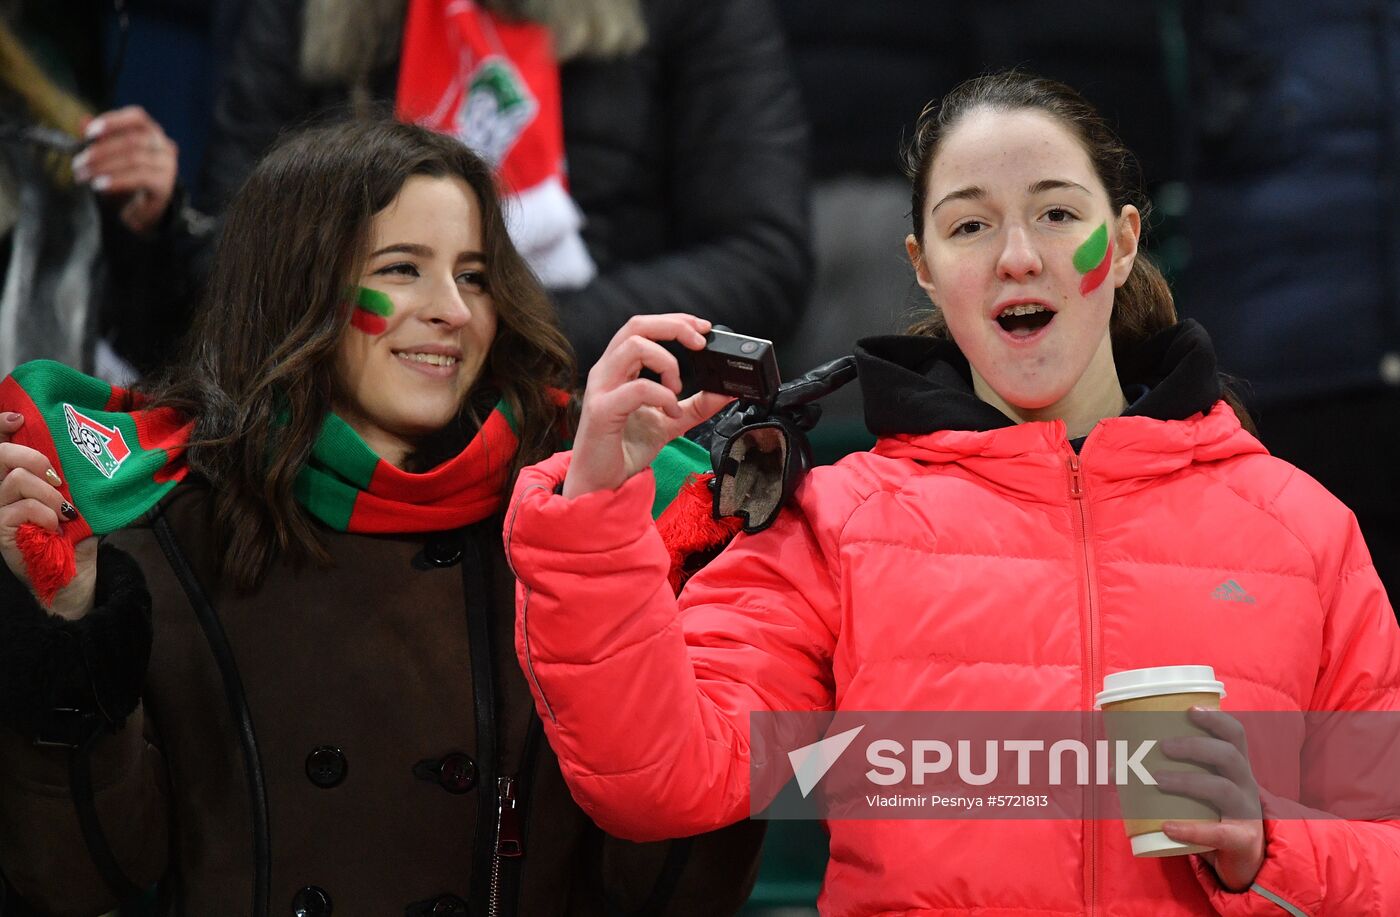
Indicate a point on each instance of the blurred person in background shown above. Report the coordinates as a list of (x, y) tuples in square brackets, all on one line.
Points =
[(1294, 228), (654, 150), (97, 249)]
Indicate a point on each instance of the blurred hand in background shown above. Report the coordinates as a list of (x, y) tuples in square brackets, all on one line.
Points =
[(130, 161)]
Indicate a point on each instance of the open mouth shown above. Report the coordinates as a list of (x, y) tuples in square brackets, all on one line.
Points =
[(1024, 319)]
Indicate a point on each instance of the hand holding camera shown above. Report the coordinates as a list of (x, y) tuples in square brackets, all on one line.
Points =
[(626, 419)]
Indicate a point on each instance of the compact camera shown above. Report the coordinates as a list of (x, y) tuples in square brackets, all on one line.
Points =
[(736, 364)]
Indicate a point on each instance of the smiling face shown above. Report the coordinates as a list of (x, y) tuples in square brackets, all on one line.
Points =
[(423, 320), (1015, 210)]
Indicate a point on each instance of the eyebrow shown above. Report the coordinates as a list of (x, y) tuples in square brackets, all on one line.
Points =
[(424, 251), (977, 193), (1056, 184), (970, 193)]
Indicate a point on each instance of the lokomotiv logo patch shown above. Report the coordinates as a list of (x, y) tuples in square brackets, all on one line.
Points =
[(104, 446)]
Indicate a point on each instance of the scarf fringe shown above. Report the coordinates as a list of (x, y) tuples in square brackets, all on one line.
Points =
[(690, 531), (49, 560)]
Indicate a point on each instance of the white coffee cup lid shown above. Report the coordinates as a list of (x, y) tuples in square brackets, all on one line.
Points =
[(1164, 679)]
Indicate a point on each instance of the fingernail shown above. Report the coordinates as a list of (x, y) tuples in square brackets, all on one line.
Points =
[(102, 183), (52, 477), (68, 511), (95, 128), (12, 417), (80, 165)]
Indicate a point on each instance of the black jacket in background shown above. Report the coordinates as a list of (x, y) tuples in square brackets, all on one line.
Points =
[(688, 159), (1295, 238)]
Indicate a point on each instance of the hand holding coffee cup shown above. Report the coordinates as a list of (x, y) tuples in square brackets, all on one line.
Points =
[(1236, 841), (1206, 799)]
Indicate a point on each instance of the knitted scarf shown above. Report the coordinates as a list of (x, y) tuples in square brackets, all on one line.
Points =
[(117, 459)]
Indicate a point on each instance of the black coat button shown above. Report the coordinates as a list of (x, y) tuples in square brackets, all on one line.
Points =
[(311, 902), (326, 767), (455, 772), (449, 906), (438, 553)]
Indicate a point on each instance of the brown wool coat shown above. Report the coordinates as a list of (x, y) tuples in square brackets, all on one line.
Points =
[(374, 660)]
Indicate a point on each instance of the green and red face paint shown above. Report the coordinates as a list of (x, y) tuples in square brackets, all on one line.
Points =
[(1093, 259), (372, 310)]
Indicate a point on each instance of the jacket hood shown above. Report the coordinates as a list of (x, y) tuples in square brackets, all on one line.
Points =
[(920, 402)]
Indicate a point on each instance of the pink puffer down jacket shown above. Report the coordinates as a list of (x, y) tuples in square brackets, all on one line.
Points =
[(987, 567)]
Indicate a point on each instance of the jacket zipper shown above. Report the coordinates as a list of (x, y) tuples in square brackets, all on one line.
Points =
[(508, 837), (1081, 528)]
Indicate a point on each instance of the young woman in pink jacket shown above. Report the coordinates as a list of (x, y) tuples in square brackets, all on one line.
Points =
[(1060, 487)]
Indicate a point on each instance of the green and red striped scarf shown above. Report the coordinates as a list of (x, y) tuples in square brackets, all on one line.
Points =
[(118, 459)]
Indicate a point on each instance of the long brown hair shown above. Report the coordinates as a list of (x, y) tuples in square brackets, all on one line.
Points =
[(1144, 305), (258, 374)]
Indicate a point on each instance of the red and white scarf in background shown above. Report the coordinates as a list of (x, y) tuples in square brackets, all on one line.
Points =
[(494, 85)]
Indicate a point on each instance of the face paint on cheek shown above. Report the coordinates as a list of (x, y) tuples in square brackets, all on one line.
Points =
[(1093, 259), (372, 308)]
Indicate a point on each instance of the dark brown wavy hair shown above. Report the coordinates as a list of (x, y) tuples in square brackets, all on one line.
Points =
[(1144, 305), (258, 372)]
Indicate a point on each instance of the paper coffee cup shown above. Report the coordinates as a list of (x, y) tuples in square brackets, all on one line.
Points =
[(1142, 704)]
